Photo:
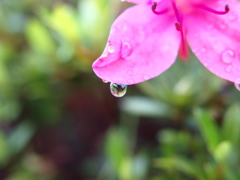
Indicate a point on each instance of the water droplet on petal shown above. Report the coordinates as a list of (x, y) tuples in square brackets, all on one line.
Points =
[(104, 81), (112, 32), (237, 84), (229, 68), (118, 90), (130, 81), (126, 50), (101, 73), (111, 49), (228, 56), (146, 77)]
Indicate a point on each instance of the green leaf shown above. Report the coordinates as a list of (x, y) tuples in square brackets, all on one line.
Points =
[(223, 151), (116, 147), (231, 125), (141, 106), (39, 37), (208, 128), (20, 137), (180, 164), (4, 152)]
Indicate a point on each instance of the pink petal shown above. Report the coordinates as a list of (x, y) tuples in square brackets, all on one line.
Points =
[(141, 46), (215, 39)]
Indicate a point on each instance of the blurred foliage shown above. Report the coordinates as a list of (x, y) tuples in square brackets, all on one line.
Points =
[(59, 121)]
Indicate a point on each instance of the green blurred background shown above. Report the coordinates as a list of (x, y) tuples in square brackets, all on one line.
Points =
[(58, 121)]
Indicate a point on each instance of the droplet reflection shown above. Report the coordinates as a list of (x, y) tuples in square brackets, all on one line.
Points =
[(104, 81), (118, 90), (237, 84)]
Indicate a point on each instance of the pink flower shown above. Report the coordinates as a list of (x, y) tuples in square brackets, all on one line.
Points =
[(145, 39)]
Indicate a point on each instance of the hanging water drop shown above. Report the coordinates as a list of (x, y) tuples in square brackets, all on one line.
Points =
[(104, 81), (237, 84), (118, 90), (228, 56)]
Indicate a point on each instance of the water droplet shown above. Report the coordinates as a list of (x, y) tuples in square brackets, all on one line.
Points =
[(126, 50), (130, 81), (101, 73), (104, 81), (122, 0), (111, 49), (112, 32), (237, 84), (228, 56), (146, 77), (229, 68), (118, 90)]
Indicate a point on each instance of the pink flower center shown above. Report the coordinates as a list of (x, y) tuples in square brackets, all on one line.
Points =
[(180, 7)]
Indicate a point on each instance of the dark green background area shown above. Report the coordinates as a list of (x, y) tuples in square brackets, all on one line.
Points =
[(59, 121)]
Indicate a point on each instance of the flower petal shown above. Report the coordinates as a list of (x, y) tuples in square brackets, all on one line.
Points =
[(141, 45), (215, 40)]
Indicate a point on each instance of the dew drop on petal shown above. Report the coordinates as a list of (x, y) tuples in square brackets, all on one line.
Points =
[(126, 50), (237, 84), (111, 49), (130, 81), (118, 90), (104, 81), (228, 56), (146, 77), (112, 32)]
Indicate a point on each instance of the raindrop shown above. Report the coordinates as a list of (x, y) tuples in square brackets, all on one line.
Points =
[(237, 84), (112, 32), (118, 90), (228, 56), (104, 81), (146, 77), (126, 50), (111, 49), (130, 81)]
